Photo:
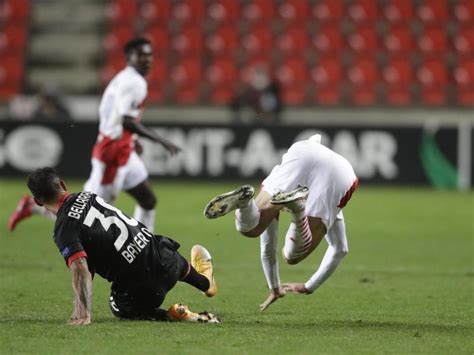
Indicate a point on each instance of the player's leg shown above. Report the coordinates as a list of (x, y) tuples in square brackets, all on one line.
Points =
[(136, 184), (305, 232), (126, 305), (26, 208), (252, 216)]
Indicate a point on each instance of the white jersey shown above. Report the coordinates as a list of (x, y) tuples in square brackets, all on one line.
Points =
[(328, 175), (124, 95)]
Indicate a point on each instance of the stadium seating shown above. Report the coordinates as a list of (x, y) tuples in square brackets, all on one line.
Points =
[(323, 52)]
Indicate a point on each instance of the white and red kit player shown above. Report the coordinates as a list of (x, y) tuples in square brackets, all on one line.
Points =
[(313, 183), (116, 166)]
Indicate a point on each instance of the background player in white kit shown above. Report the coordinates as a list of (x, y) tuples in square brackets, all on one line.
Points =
[(116, 165), (313, 183)]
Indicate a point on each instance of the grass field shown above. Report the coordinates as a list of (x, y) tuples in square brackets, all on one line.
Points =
[(405, 287)]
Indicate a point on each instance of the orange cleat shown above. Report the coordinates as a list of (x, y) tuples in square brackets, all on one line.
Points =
[(23, 210)]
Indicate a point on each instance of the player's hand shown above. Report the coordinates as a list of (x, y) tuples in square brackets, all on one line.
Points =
[(80, 320), (275, 294), (295, 287), (171, 148)]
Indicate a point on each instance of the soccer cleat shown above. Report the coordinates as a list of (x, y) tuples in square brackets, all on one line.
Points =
[(181, 313), (201, 260), (229, 201), (23, 210), (293, 201)]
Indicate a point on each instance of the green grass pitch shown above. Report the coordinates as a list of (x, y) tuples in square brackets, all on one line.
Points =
[(406, 285)]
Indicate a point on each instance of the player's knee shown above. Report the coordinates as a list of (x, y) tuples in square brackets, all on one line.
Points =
[(250, 234), (341, 253), (289, 259), (148, 202)]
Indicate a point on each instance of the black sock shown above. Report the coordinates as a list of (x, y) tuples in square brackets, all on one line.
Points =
[(196, 279)]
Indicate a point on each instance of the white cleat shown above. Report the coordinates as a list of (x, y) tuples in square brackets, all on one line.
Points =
[(293, 201), (229, 201)]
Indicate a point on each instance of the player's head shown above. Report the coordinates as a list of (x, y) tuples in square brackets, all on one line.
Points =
[(139, 54), (45, 186)]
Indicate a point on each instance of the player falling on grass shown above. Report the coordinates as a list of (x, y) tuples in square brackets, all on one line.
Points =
[(116, 165), (95, 237), (313, 183)]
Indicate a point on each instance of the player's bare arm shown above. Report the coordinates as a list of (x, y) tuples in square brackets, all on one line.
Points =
[(132, 125), (82, 287)]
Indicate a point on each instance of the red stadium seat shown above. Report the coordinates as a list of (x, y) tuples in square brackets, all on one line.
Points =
[(14, 10), (159, 71), (433, 40), (156, 10), (464, 73), (11, 69), (117, 37), (363, 71), (398, 76), (221, 94), (253, 63), (328, 10), (224, 10), (294, 10), (398, 10), (465, 96), (187, 71), (328, 71), (363, 10), (259, 10), (189, 94), (364, 39), (156, 94), (260, 38), (294, 94), (159, 37), (113, 64), (121, 11), (328, 39), (399, 39), (464, 11), (328, 95), (433, 11), (433, 78), (294, 38), (464, 40), (190, 10), (222, 70), (13, 38), (190, 39), (292, 71), (224, 39)]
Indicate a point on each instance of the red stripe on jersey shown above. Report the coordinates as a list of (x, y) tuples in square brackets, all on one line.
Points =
[(75, 256), (345, 199)]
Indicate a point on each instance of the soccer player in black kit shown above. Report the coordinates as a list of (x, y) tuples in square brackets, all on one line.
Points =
[(96, 237)]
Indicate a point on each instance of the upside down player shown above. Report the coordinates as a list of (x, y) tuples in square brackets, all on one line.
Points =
[(95, 237), (115, 164), (313, 183)]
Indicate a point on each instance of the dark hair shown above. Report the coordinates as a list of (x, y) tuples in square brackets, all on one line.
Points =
[(44, 184), (133, 44)]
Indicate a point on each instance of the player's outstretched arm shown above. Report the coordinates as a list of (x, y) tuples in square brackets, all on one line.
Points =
[(298, 288), (82, 287), (133, 126)]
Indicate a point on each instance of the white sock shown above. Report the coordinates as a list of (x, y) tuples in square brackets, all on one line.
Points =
[(147, 217), (247, 218), (298, 239), (41, 211)]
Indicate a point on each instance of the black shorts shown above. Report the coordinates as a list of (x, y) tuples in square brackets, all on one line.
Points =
[(131, 301)]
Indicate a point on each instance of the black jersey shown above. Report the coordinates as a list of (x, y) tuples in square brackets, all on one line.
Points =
[(118, 248)]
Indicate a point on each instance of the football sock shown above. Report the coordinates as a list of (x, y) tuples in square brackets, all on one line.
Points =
[(147, 217), (41, 211), (247, 218), (298, 239), (196, 279)]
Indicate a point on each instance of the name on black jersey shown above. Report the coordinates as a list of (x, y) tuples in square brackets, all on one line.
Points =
[(138, 243), (75, 211)]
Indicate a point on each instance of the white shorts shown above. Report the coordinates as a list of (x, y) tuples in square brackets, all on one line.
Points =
[(329, 177), (127, 177)]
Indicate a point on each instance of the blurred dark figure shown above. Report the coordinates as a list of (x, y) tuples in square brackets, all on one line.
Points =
[(51, 105), (262, 97)]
